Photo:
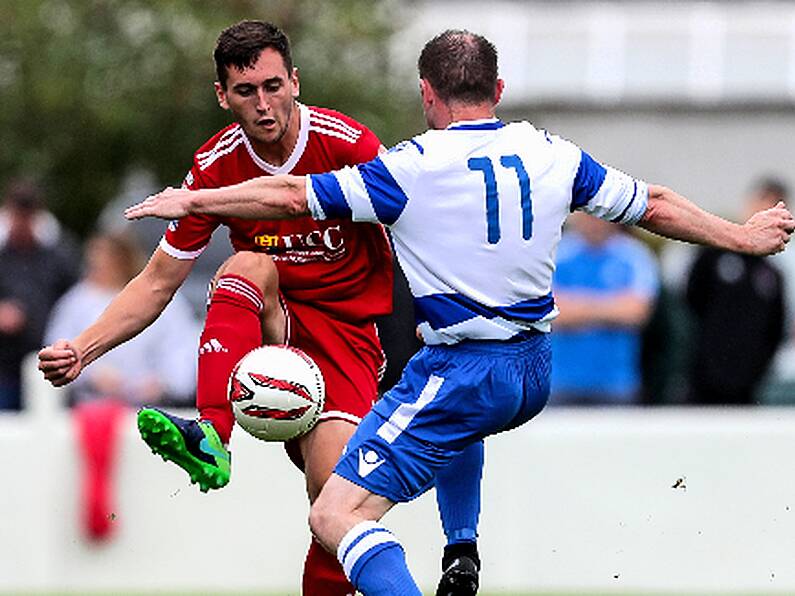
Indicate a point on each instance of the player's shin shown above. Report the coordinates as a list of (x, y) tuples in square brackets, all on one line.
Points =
[(233, 327)]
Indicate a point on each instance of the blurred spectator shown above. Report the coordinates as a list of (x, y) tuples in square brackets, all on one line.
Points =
[(38, 262), (738, 304), (159, 366), (605, 285)]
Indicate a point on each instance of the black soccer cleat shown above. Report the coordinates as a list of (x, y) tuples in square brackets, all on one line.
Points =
[(460, 578)]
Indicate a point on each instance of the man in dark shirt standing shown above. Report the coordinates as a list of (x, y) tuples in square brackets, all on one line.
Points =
[(738, 304), (38, 263)]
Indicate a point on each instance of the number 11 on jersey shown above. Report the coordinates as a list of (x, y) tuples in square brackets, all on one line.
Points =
[(511, 162)]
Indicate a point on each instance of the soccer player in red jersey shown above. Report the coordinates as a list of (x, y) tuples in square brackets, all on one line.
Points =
[(314, 285)]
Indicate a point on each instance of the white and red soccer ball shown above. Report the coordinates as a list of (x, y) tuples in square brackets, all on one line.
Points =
[(277, 393)]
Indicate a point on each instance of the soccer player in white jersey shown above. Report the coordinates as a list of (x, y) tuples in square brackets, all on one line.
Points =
[(475, 207)]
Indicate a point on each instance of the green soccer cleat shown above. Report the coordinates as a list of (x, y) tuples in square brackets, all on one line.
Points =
[(193, 445)]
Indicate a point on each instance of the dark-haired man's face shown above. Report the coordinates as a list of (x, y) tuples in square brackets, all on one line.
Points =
[(262, 99)]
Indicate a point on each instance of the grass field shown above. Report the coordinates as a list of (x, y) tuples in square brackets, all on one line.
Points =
[(257, 593)]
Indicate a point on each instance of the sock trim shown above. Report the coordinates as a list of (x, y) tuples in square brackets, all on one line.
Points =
[(366, 545), (243, 287), (354, 534), (462, 535), (361, 539)]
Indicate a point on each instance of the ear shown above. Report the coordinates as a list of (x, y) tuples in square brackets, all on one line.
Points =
[(220, 95), (498, 89), (427, 94), (296, 84)]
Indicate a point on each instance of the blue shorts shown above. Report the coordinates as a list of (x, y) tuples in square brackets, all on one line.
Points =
[(447, 398)]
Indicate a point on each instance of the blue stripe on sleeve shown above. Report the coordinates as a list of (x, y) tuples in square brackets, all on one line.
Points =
[(587, 182), (443, 310), (632, 200), (386, 196), (330, 196)]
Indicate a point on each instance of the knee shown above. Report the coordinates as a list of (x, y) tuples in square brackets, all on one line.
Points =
[(257, 267), (321, 516)]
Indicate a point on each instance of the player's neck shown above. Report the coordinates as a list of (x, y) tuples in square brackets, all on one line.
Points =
[(279, 152), (464, 112)]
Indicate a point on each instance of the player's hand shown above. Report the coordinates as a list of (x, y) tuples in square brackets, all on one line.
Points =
[(171, 203), (768, 231), (61, 362)]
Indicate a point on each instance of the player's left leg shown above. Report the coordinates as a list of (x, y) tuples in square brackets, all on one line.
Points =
[(244, 309), (349, 356), (345, 520)]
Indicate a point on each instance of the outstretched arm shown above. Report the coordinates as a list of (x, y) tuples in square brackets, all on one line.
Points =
[(671, 215), (266, 197), (134, 309)]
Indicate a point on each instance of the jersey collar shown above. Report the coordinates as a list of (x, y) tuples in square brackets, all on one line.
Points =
[(298, 150), (485, 124)]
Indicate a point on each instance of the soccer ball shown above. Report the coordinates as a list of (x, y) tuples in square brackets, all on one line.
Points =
[(277, 393)]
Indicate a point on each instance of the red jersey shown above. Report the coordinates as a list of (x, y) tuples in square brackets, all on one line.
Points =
[(338, 266)]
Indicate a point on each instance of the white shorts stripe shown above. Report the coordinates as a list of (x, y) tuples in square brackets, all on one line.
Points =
[(405, 413)]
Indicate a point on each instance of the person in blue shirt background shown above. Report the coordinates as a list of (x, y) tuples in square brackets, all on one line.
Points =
[(606, 282)]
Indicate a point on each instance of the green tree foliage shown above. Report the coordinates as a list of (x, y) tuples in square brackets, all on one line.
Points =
[(91, 89)]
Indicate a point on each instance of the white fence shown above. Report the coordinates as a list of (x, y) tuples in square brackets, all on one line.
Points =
[(576, 500)]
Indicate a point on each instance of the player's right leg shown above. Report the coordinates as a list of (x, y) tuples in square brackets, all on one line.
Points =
[(243, 310)]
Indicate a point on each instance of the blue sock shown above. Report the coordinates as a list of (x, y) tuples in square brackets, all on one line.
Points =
[(374, 561), (458, 495)]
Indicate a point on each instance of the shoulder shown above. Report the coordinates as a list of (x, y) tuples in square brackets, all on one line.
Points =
[(343, 135), (222, 143), (334, 124)]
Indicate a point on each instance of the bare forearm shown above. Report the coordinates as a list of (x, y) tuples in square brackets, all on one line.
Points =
[(132, 311), (266, 197), (671, 215)]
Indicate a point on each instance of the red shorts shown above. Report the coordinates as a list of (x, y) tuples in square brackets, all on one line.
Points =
[(349, 355)]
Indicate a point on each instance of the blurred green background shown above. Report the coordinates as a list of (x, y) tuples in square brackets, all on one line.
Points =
[(94, 89)]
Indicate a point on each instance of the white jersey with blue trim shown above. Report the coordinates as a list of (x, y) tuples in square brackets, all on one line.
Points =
[(476, 212)]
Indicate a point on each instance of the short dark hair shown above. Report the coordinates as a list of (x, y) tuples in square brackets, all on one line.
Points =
[(460, 66), (241, 44), (771, 185)]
